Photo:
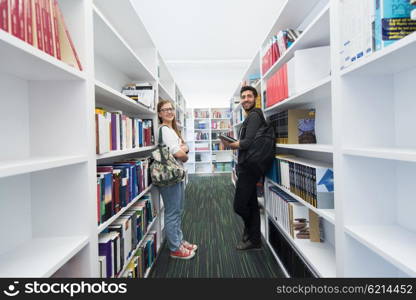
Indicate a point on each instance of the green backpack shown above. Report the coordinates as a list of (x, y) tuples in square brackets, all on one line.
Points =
[(164, 169)]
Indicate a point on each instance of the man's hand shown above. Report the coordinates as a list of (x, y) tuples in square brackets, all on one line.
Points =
[(233, 146)]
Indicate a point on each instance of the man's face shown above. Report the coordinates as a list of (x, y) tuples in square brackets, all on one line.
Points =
[(247, 100)]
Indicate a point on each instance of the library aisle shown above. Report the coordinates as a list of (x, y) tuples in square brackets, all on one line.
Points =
[(209, 221)]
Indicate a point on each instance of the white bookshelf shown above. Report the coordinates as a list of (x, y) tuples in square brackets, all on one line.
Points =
[(48, 165), (208, 163), (363, 126)]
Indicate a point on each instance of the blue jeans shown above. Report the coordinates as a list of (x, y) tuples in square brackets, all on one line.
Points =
[(173, 198)]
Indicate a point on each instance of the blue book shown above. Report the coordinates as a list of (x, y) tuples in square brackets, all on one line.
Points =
[(392, 22)]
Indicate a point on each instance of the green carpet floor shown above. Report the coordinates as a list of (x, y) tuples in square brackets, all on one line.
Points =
[(210, 222)]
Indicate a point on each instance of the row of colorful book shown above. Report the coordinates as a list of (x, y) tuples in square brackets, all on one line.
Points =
[(377, 24), (120, 183), (201, 136), (277, 46), (294, 126), (117, 131), (293, 217), (221, 114), (218, 146), (41, 24), (222, 166), (314, 184), (201, 114), (143, 259), (220, 125), (142, 92), (119, 243)]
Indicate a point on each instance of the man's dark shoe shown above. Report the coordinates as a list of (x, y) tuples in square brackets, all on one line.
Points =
[(245, 237), (248, 245)]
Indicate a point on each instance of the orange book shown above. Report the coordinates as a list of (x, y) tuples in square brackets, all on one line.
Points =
[(68, 51)]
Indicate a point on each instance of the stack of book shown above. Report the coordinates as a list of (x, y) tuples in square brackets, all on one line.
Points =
[(119, 184), (277, 46), (141, 93), (116, 131), (221, 114), (201, 136), (117, 246), (41, 24)]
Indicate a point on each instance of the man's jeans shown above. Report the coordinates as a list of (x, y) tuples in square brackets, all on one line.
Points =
[(173, 198)]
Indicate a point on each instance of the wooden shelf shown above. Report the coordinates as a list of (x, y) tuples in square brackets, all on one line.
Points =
[(27, 62), (40, 257), (34, 164)]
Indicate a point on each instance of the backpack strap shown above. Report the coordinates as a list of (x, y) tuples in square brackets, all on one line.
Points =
[(160, 140)]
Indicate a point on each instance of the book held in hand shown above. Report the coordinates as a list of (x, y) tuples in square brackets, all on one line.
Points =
[(227, 138)]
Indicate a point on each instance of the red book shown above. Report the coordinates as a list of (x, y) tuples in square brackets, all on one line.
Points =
[(38, 20), (21, 20), (29, 21), (4, 15), (49, 27), (56, 30), (45, 27), (14, 13)]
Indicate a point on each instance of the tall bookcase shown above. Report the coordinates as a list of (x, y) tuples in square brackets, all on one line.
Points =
[(206, 155), (363, 128), (48, 165)]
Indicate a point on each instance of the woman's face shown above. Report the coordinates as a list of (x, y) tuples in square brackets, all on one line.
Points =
[(167, 113)]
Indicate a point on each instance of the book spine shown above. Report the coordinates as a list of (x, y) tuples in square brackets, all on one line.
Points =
[(4, 15), (21, 20), (14, 10), (49, 27), (69, 38), (45, 27), (56, 29), (38, 22), (29, 21)]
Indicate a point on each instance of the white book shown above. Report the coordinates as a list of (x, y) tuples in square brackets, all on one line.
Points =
[(126, 225), (103, 266)]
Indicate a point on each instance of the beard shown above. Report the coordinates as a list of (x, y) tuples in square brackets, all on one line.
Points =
[(249, 108)]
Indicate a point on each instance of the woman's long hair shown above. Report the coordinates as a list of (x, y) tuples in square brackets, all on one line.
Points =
[(174, 126)]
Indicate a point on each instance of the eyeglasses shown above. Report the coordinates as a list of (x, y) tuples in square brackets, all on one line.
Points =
[(167, 110)]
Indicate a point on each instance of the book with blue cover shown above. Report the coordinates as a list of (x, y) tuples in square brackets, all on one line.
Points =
[(392, 22)]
